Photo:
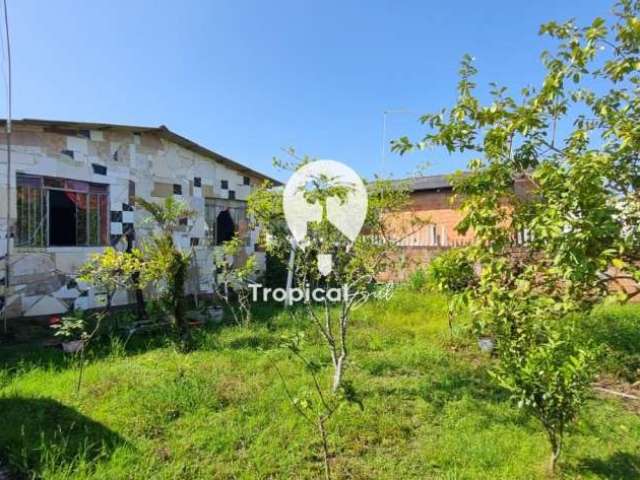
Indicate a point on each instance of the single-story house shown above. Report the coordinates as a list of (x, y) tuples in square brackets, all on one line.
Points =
[(433, 205), (72, 186)]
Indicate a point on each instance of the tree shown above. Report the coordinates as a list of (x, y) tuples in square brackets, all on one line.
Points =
[(551, 382), (356, 265), (314, 405), (452, 274), (576, 139), (73, 328), (111, 270), (165, 264), (355, 269), (233, 276)]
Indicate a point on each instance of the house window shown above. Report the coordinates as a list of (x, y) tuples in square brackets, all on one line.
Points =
[(444, 241), (99, 169), (224, 184), (177, 189), (246, 181), (434, 238), (61, 212), (221, 224), (232, 195)]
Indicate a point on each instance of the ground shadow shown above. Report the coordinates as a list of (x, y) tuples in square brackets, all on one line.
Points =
[(39, 433), (17, 359), (458, 382), (441, 381), (619, 466)]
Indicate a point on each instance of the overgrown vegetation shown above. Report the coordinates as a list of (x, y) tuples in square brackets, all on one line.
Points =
[(147, 411), (234, 273), (412, 406), (554, 247)]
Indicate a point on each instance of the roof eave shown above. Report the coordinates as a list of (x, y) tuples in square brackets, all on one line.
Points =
[(162, 130)]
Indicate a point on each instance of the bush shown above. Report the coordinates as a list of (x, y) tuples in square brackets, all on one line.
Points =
[(451, 272), (550, 380), (275, 275), (418, 280)]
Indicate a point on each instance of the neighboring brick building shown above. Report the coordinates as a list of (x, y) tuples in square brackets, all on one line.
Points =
[(432, 204)]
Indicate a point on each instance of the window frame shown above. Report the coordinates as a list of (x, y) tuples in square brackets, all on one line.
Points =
[(212, 208), (28, 241)]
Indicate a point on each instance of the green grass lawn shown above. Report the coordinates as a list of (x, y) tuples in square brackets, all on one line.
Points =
[(221, 412)]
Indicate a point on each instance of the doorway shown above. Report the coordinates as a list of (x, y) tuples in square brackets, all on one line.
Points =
[(62, 214)]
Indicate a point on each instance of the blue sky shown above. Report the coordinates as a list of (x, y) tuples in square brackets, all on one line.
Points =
[(248, 78)]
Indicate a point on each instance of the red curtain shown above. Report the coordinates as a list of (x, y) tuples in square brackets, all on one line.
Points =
[(78, 199)]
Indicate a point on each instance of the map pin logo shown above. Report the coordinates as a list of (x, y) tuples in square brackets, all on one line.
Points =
[(346, 212)]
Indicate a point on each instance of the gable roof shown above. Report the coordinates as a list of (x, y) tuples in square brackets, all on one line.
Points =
[(426, 183), (162, 131), (430, 182), (442, 182)]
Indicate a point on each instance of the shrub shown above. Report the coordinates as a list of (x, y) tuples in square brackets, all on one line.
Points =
[(452, 274), (550, 380), (418, 280), (166, 265)]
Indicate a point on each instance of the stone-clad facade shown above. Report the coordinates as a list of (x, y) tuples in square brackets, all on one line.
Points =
[(72, 187)]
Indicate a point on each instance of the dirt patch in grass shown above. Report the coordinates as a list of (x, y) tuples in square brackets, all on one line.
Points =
[(628, 393)]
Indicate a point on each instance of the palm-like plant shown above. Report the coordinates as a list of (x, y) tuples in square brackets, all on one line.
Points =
[(165, 261)]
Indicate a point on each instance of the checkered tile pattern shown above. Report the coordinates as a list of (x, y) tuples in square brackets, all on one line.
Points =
[(122, 223)]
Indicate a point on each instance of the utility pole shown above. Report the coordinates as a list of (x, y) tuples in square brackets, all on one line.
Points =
[(8, 218)]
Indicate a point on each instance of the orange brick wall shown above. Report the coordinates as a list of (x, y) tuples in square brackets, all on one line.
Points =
[(436, 208), (429, 208)]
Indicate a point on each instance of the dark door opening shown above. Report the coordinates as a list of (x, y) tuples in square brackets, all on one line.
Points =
[(62, 219), (225, 228)]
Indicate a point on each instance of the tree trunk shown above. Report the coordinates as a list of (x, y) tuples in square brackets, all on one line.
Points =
[(107, 310), (176, 286), (337, 374), (290, 269), (325, 449), (556, 448), (79, 383), (140, 308)]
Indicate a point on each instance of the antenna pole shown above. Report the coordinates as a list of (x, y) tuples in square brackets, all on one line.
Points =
[(384, 138)]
